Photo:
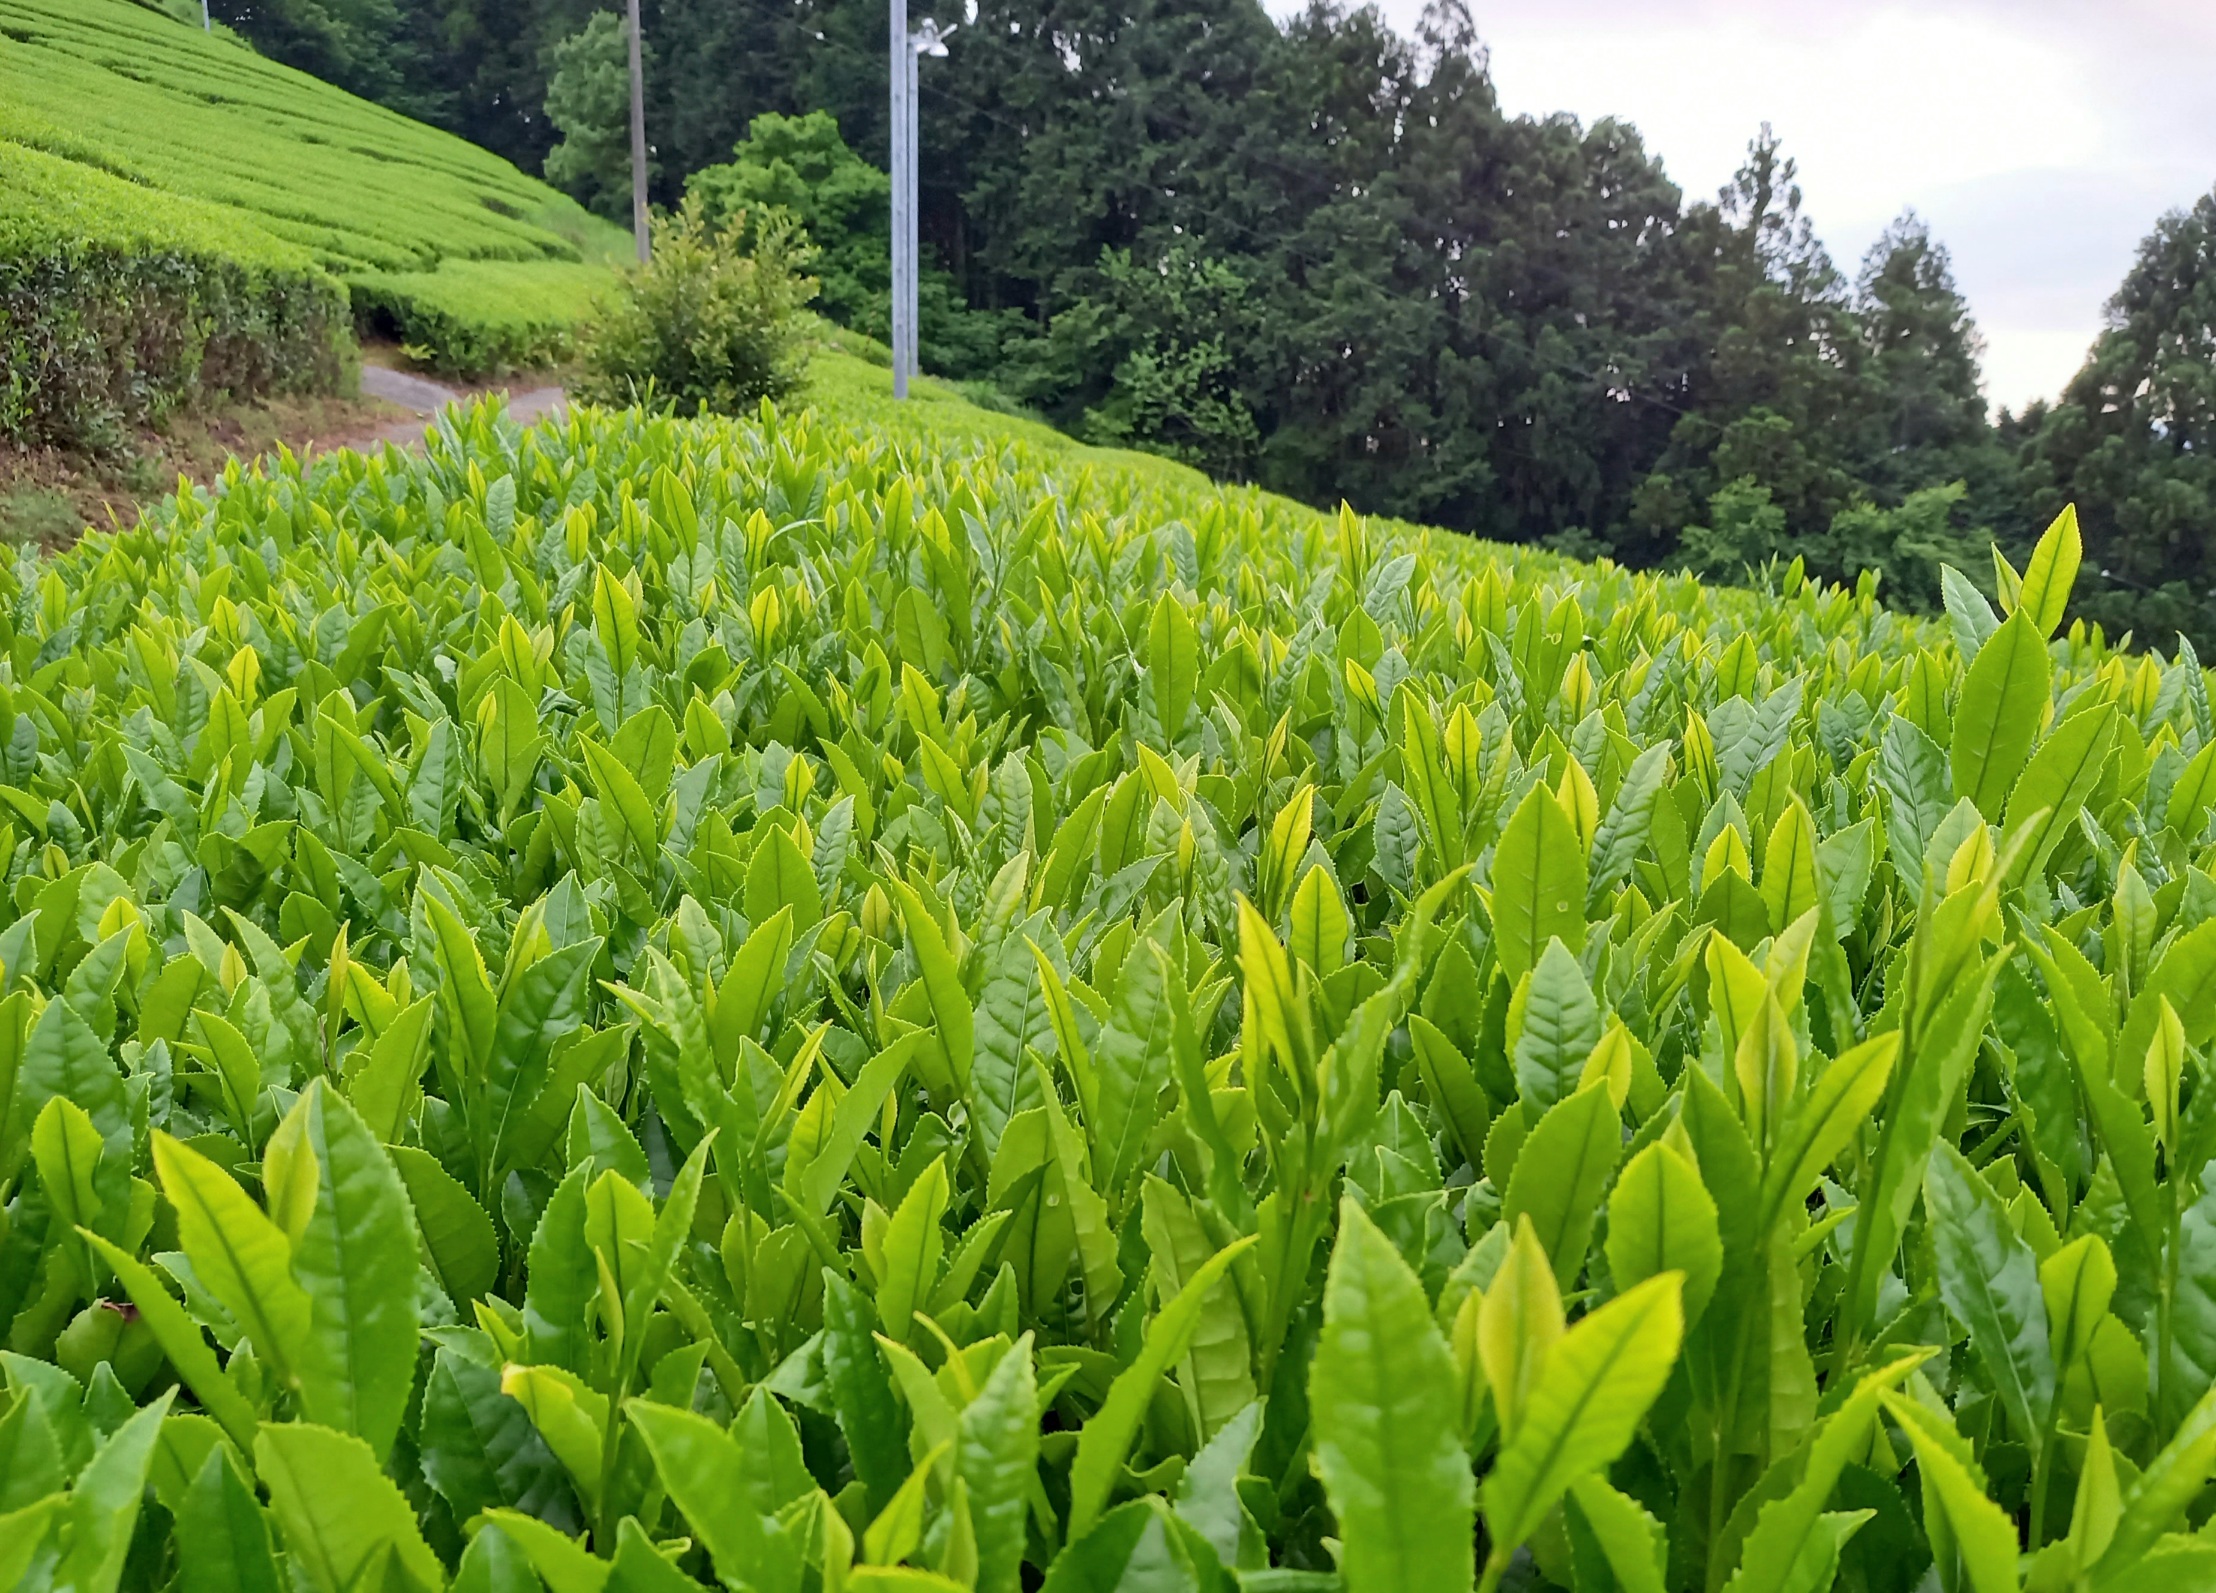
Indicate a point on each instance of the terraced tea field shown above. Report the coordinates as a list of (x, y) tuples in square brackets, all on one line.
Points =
[(461, 248)]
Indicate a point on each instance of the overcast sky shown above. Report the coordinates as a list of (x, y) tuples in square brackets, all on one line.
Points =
[(2040, 138)]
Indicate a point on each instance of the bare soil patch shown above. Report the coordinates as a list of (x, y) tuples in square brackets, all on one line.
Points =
[(49, 496)]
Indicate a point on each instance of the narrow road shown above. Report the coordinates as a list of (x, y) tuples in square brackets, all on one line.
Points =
[(426, 397)]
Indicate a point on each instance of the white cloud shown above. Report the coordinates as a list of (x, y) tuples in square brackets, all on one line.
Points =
[(1860, 99), (2040, 138)]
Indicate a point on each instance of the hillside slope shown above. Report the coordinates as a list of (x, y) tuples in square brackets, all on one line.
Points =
[(383, 202)]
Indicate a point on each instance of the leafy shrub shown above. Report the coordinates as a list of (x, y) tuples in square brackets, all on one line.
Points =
[(716, 319), (908, 1006), (118, 305)]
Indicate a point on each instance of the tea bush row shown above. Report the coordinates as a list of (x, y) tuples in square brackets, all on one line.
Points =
[(474, 316), (119, 304), (273, 155)]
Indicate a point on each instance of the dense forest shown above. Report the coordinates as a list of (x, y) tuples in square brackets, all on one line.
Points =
[(1319, 256)]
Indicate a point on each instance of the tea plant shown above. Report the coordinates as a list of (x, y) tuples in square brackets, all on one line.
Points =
[(472, 317), (648, 1003)]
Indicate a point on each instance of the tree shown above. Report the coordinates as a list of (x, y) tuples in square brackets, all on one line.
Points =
[(1151, 359), (2133, 441), (1905, 544), (1745, 529), (1923, 345), (799, 168), (369, 47), (799, 165), (588, 96), (1777, 396)]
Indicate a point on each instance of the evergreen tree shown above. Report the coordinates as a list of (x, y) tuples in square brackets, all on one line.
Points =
[(588, 98), (1928, 421), (2133, 441), (1923, 350), (1777, 400)]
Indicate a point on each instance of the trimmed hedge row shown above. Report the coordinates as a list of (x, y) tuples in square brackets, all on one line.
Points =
[(120, 304), (475, 263), (480, 317)]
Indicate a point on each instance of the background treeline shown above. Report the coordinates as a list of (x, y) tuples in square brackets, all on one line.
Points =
[(1318, 255)]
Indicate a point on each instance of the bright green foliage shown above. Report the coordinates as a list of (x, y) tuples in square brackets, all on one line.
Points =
[(271, 172), (1386, 1444), (713, 320), (867, 1000), (117, 86)]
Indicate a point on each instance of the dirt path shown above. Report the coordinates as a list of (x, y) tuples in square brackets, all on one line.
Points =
[(424, 397), (47, 496)]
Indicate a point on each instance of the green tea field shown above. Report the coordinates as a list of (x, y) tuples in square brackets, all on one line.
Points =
[(453, 248), (865, 998)]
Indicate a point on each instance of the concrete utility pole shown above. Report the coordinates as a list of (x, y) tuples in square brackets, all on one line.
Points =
[(638, 135), (929, 39)]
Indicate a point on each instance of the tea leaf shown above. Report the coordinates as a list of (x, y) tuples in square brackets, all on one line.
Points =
[(1386, 1446)]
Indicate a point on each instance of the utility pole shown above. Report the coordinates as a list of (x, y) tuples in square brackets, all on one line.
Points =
[(903, 66), (638, 135), (906, 47)]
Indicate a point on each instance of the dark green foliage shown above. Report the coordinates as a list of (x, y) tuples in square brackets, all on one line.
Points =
[(1922, 353), (379, 49), (2134, 437), (1159, 347), (588, 97), (96, 341), (1819, 411)]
